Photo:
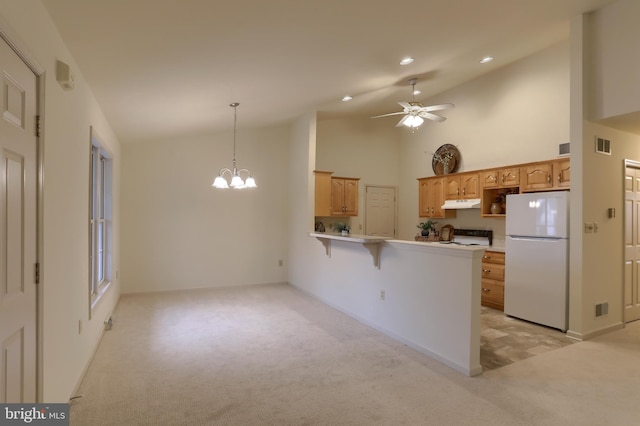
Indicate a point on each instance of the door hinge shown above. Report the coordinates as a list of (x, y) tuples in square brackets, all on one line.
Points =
[(36, 271), (37, 126)]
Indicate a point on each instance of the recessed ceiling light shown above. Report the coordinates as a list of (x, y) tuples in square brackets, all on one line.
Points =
[(347, 98), (486, 59), (406, 61)]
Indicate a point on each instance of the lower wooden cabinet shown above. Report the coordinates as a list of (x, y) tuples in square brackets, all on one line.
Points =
[(493, 280)]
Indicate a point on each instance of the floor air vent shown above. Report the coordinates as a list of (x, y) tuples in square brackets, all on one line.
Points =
[(603, 146)]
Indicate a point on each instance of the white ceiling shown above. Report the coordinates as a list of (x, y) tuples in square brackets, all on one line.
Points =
[(161, 69)]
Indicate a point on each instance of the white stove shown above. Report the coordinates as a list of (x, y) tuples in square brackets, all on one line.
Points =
[(472, 237)]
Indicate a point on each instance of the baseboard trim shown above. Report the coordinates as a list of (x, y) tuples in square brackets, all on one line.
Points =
[(595, 333)]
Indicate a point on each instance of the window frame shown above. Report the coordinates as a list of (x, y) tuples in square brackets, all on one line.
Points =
[(100, 220)]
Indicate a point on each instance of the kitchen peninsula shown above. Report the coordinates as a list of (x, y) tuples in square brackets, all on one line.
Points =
[(424, 294)]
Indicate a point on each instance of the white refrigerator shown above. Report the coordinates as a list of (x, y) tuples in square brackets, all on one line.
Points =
[(536, 286)]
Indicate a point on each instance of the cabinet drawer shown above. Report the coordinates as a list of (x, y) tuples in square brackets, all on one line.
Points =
[(493, 257), (493, 271), (492, 293)]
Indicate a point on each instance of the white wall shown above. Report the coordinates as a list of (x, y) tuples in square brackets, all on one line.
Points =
[(180, 233), (64, 299), (603, 254), (607, 64), (361, 148), (615, 64)]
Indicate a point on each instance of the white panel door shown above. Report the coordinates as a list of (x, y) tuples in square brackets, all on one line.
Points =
[(631, 244), (380, 211), (18, 144)]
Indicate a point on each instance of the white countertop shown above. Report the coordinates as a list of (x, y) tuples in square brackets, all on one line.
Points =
[(354, 238)]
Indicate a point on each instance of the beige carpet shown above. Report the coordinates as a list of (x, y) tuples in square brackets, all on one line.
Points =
[(271, 355)]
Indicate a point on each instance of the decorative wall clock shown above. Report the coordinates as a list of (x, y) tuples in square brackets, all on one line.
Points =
[(445, 160)]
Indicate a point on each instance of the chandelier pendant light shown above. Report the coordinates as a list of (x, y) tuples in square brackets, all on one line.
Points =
[(237, 182)]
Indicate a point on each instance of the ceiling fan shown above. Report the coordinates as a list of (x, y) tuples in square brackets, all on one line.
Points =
[(415, 113)]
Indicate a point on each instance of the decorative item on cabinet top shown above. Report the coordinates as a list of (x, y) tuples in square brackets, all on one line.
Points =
[(445, 160)]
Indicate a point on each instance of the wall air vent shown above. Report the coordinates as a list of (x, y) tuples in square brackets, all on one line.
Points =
[(564, 149), (602, 309), (603, 146)]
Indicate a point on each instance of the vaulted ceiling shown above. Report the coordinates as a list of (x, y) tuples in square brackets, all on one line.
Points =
[(161, 69)]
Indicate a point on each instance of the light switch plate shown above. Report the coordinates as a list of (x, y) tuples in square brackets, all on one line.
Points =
[(588, 227)]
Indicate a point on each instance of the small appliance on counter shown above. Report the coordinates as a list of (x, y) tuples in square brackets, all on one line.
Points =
[(319, 227)]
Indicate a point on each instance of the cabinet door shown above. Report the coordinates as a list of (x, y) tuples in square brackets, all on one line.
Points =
[(510, 176), (323, 193), (337, 197), (470, 184), (489, 179), (424, 194), (351, 197), (452, 187), (537, 177), (437, 197), (562, 173), (431, 198)]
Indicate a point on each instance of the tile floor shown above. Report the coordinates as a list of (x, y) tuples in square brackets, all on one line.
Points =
[(505, 340)]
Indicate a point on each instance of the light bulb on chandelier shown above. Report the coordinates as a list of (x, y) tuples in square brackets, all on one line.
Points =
[(236, 180)]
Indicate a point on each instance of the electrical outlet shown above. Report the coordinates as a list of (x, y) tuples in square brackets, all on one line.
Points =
[(383, 295), (588, 227), (595, 227)]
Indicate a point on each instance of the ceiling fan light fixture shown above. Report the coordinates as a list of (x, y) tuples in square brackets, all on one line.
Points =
[(414, 112), (413, 121)]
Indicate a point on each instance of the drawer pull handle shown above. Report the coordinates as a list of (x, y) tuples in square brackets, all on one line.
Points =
[(486, 270), (486, 290)]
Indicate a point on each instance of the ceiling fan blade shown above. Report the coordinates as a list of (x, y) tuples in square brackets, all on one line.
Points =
[(405, 105), (387, 115), (430, 116), (401, 122), (438, 107)]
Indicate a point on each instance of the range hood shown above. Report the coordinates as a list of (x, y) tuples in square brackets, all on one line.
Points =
[(472, 203)]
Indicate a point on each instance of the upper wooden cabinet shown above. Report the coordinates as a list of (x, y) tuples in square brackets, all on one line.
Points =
[(547, 175), (462, 186), (500, 178), (492, 186), (431, 198), (344, 196), (323, 193), (562, 171), (335, 196)]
